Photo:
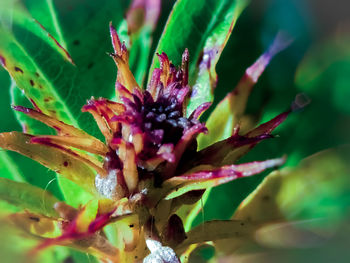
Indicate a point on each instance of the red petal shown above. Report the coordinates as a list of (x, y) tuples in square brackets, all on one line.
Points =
[(210, 177)]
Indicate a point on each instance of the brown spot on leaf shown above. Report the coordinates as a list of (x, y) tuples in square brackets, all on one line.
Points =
[(36, 219), (131, 225), (265, 198), (65, 163), (17, 69), (90, 65), (48, 99), (31, 82), (37, 74)]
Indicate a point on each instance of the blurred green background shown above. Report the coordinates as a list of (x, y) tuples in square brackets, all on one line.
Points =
[(317, 64)]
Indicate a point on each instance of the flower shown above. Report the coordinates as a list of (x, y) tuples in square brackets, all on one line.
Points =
[(149, 165)]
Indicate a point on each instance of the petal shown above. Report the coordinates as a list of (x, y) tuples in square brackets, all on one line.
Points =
[(121, 91), (230, 110), (181, 146), (216, 153), (228, 151), (126, 153), (125, 76), (164, 68), (268, 127), (155, 85), (60, 127), (137, 140), (281, 42), (184, 67), (101, 122), (200, 109), (181, 95), (103, 111), (165, 153), (210, 177), (263, 131), (117, 46)]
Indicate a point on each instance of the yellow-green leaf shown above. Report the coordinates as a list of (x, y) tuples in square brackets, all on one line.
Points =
[(29, 197)]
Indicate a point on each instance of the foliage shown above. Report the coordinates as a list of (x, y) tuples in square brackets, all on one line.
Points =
[(55, 53)]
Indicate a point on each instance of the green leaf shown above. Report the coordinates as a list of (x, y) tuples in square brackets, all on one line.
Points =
[(28, 124), (207, 176), (54, 158), (316, 189), (87, 41), (49, 21), (56, 86), (28, 197), (188, 213), (31, 80), (15, 12), (87, 216), (16, 244), (217, 230), (312, 197), (202, 253), (74, 194), (29, 169), (40, 49), (8, 169), (204, 28), (83, 257)]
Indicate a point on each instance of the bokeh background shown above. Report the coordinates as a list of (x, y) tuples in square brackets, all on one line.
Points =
[(317, 64)]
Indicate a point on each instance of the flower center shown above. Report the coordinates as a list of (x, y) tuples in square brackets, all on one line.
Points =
[(163, 120)]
